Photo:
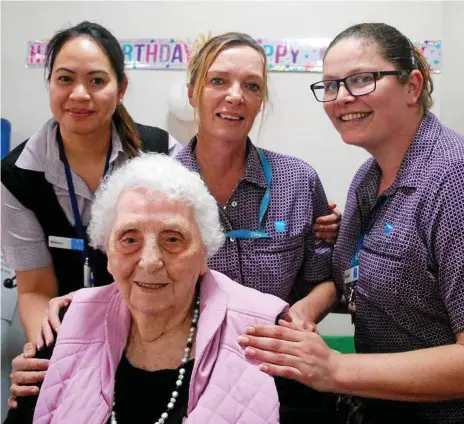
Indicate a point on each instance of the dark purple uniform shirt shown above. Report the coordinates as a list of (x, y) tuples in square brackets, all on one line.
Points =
[(410, 293), (290, 263)]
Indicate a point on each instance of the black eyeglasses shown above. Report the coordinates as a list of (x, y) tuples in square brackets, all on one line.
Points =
[(358, 84)]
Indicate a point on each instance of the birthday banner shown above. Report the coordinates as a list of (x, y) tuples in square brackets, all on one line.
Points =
[(285, 55)]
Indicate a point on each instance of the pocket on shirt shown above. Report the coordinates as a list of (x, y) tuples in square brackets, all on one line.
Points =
[(279, 261)]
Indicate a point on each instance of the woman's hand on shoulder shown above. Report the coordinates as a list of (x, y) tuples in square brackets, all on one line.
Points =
[(51, 320)]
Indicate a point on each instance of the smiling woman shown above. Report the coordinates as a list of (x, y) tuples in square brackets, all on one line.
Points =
[(48, 182)]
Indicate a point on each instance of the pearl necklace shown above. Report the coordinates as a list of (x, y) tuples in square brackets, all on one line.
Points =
[(180, 377)]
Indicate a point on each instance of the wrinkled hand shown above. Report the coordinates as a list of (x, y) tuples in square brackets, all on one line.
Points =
[(286, 351), (299, 317), (327, 227), (26, 370), (51, 320)]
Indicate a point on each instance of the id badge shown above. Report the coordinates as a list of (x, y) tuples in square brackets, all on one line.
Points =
[(350, 278), (65, 243), (351, 275)]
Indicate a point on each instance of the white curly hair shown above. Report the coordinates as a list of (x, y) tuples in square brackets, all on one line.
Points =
[(156, 173)]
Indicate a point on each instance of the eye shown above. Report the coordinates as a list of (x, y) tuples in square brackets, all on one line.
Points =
[(330, 86), (129, 240), (97, 81), (173, 239), (217, 81), (65, 79), (361, 79), (253, 86)]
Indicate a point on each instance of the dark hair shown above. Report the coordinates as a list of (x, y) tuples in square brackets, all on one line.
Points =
[(397, 49), (110, 45)]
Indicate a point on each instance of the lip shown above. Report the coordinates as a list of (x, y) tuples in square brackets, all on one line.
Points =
[(151, 288), (235, 115), (80, 113)]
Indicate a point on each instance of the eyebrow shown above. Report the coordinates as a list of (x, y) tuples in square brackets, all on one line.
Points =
[(96, 71), (219, 72)]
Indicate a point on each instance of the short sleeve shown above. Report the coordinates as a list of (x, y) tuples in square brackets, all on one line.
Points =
[(318, 253), (24, 243), (447, 243)]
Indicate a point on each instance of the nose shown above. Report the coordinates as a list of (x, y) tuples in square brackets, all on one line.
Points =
[(235, 94), (151, 259), (344, 96), (80, 92)]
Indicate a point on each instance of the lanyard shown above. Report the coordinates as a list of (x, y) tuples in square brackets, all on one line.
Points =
[(351, 275), (88, 274), (260, 233)]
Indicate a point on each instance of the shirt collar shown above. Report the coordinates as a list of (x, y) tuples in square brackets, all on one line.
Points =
[(418, 153), (412, 166), (253, 173)]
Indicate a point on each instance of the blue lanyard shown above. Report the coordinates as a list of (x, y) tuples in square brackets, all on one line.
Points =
[(72, 194), (360, 243), (260, 233)]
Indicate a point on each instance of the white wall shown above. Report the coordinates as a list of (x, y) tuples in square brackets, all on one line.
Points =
[(452, 113), (295, 123)]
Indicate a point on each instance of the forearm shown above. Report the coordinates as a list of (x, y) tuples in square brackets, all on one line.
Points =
[(425, 375), (32, 307), (319, 301)]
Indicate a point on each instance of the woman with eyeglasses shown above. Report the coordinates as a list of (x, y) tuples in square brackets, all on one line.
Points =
[(399, 259)]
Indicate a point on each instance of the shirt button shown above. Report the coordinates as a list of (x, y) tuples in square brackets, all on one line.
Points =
[(232, 239), (234, 203)]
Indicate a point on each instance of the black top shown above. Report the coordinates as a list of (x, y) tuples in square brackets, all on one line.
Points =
[(142, 396), (34, 192)]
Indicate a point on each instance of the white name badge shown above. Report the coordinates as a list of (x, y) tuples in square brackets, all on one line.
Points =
[(351, 275), (65, 243)]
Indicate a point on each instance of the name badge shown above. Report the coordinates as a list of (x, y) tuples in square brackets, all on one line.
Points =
[(351, 275), (65, 243)]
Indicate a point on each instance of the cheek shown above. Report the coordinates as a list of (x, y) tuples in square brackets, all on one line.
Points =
[(120, 266), (329, 109)]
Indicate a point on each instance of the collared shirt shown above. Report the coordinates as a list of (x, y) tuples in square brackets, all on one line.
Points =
[(290, 263), (24, 243), (410, 292)]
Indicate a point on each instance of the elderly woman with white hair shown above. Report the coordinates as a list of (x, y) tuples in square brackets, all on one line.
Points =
[(159, 345)]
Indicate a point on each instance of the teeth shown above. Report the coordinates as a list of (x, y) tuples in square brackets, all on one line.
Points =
[(235, 118), (352, 116)]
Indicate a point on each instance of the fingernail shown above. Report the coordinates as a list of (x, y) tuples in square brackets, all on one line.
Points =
[(35, 390), (243, 340), (250, 351), (263, 368), (250, 330)]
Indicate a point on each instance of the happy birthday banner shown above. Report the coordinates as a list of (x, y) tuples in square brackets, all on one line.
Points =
[(285, 55)]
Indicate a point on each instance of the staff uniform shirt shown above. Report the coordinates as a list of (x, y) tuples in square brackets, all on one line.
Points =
[(24, 243), (410, 292), (292, 262)]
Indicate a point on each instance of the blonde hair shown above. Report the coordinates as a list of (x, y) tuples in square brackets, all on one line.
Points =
[(202, 60)]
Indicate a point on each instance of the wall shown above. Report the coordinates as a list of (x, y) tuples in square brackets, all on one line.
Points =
[(295, 122)]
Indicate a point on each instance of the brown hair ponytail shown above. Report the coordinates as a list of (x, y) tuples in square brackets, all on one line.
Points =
[(127, 131)]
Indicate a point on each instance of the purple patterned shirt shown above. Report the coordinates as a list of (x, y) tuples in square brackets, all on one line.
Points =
[(410, 293), (290, 263)]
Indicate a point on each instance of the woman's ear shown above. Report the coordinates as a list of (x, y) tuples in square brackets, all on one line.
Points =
[(190, 88), (414, 84), (122, 91)]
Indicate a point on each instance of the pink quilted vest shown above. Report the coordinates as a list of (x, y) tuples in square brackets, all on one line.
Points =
[(225, 388)]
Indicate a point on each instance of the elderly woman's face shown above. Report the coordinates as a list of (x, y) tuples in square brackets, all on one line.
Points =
[(155, 253)]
